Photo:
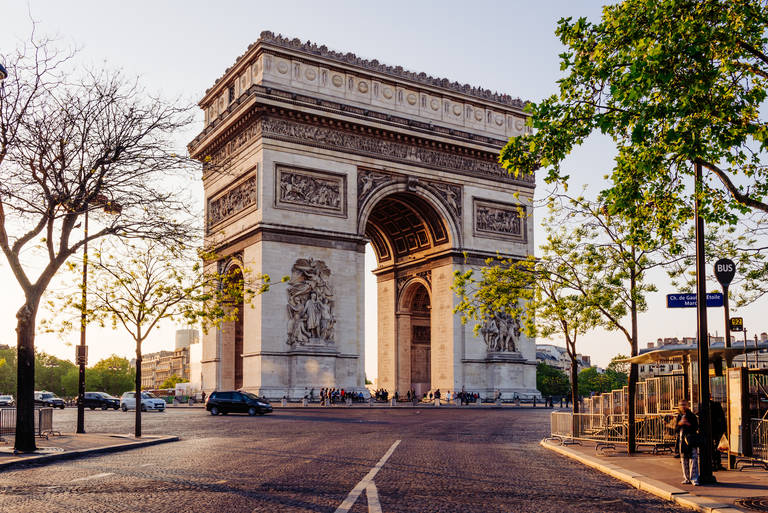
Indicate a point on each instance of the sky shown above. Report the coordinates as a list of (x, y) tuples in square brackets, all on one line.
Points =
[(178, 49)]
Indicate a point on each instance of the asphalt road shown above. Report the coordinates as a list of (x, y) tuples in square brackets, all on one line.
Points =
[(446, 460)]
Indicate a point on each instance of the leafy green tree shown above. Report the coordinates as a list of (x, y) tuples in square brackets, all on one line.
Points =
[(672, 82), (49, 373), (8, 371), (551, 381), (544, 293), (113, 375), (617, 365), (172, 380)]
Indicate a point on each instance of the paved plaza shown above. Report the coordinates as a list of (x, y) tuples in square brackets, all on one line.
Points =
[(405, 459)]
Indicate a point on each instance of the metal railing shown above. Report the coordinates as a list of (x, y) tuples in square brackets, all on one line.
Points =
[(759, 429), (43, 422), (607, 430)]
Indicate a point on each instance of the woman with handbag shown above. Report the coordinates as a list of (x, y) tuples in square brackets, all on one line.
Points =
[(688, 436)]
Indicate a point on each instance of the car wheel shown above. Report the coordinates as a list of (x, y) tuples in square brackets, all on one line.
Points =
[(251, 411), (115, 407), (143, 407), (61, 407), (214, 410), (92, 408), (125, 408), (104, 407)]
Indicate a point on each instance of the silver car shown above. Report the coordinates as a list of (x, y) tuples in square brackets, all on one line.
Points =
[(148, 402)]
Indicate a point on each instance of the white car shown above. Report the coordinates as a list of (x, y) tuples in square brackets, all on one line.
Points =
[(148, 402)]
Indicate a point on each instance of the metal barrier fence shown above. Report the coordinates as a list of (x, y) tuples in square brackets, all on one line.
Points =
[(43, 422), (607, 430), (759, 429)]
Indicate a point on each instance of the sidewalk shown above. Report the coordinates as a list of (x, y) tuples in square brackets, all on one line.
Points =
[(661, 475), (70, 445)]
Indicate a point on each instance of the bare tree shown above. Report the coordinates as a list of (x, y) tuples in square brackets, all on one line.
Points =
[(74, 142)]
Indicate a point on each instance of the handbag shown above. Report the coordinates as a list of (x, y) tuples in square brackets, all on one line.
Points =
[(723, 445)]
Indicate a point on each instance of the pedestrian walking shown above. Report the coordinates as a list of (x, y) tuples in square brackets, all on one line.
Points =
[(688, 434)]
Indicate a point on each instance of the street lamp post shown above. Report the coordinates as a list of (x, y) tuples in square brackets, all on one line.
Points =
[(705, 423), (82, 348)]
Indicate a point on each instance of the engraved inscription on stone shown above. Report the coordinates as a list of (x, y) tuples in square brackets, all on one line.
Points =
[(311, 317), (501, 332), (500, 220), (236, 199), (300, 189)]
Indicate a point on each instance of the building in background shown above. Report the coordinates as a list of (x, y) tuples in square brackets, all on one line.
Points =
[(557, 357), (158, 367)]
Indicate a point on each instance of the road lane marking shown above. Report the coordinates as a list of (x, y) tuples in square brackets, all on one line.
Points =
[(363, 485), (374, 506), (95, 476)]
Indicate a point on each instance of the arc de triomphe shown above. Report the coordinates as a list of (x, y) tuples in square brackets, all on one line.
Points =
[(311, 154)]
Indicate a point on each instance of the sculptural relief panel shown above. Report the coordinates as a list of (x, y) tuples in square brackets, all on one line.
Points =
[(311, 302), (500, 221), (233, 201), (501, 333), (310, 191)]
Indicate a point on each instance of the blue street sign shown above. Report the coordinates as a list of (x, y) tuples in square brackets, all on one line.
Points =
[(714, 300)]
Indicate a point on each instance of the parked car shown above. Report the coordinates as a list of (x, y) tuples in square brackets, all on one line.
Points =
[(101, 400), (6, 401), (48, 399), (148, 402), (237, 402)]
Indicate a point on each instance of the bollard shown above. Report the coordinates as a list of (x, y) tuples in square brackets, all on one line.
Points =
[(370, 402), (437, 402), (304, 402), (478, 402), (283, 402), (349, 401), (392, 402)]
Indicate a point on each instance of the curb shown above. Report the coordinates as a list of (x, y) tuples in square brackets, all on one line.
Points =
[(68, 455), (647, 484)]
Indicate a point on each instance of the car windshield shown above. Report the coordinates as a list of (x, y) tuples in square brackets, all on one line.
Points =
[(147, 395), (48, 396), (254, 396), (5, 397)]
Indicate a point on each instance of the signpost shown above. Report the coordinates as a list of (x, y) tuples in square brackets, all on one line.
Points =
[(736, 324), (714, 300), (725, 270)]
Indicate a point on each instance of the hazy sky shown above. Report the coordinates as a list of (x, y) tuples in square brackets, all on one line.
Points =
[(180, 47)]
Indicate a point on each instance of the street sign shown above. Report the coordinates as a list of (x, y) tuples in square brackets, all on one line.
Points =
[(725, 270), (81, 355), (737, 323), (714, 300)]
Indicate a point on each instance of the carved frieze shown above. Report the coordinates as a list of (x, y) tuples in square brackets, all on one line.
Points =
[(501, 332), (376, 146), (236, 199), (308, 190), (450, 194), (500, 220), (311, 316)]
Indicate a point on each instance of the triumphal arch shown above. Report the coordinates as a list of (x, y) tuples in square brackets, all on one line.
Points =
[(311, 154)]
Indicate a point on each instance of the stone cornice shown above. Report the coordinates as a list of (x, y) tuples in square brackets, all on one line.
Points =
[(297, 99), (350, 59)]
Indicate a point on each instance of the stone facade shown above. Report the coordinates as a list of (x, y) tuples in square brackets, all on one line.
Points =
[(309, 155)]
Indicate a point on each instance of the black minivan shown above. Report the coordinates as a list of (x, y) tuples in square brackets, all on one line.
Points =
[(237, 402)]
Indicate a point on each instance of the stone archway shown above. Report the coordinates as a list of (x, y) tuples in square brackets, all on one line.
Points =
[(231, 336), (309, 155)]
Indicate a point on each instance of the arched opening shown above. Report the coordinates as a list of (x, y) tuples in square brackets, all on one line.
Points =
[(417, 310), (407, 234), (237, 278)]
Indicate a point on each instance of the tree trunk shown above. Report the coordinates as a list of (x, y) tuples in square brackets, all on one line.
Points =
[(575, 384), (631, 434), (25, 372), (137, 428)]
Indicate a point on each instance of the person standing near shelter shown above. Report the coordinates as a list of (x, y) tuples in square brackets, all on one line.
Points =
[(719, 427), (687, 434)]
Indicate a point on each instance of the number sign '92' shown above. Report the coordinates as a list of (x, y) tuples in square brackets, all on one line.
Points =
[(736, 323)]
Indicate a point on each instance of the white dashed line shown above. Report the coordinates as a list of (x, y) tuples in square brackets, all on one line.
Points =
[(367, 484), (95, 476)]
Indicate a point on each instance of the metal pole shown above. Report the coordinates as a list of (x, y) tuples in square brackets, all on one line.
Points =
[(705, 422), (727, 317), (757, 353), (81, 373)]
